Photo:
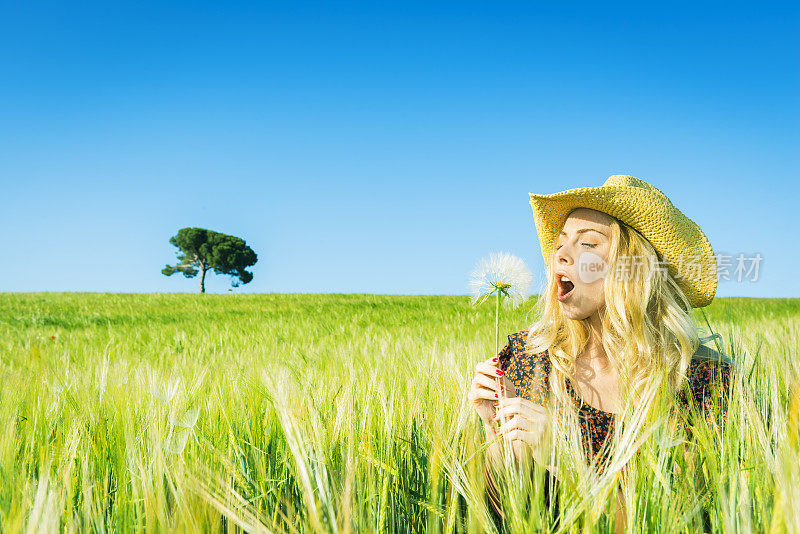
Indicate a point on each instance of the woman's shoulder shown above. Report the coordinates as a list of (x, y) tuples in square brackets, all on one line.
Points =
[(706, 362), (709, 373), (517, 350), (528, 370), (709, 380)]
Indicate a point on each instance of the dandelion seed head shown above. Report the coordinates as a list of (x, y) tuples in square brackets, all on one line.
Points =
[(164, 391), (176, 440), (501, 272), (187, 419)]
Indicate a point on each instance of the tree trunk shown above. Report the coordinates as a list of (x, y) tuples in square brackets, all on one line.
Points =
[(203, 279)]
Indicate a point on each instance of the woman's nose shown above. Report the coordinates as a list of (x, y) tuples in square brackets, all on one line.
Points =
[(563, 256)]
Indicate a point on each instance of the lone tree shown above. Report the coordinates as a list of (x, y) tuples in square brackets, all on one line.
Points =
[(201, 250)]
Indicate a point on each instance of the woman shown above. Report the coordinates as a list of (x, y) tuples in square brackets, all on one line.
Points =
[(614, 332)]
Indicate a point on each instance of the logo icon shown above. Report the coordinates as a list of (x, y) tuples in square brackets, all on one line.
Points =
[(591, 267)]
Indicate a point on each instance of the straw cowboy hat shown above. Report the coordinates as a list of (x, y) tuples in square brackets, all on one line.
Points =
[(679, 241)]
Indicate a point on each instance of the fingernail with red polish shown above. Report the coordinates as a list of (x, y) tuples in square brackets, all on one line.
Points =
[(496, 396), (499, 372), (495, 360), (495, 404)]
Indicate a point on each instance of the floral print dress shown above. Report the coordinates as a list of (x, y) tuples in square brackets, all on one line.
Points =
[(708, 379)]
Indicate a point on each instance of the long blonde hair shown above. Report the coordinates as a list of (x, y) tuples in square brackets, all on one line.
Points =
[(647, 333)]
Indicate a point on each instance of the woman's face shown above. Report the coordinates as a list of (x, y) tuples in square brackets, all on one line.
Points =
[(579, 263)]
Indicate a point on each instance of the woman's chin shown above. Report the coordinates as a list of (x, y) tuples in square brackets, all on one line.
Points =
[(567, 310), (571, 312)]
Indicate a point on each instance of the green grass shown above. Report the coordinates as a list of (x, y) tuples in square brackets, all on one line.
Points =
[(342, 413)]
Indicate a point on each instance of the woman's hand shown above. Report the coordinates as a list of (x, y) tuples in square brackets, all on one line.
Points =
[(526, 426), (486, 390)]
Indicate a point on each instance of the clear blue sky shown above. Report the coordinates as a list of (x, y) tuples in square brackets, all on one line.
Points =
[(367, 148)]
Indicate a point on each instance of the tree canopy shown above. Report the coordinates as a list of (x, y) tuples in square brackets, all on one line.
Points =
[(200, 250)]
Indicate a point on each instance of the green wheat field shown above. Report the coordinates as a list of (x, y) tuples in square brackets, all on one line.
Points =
[(335, 413)]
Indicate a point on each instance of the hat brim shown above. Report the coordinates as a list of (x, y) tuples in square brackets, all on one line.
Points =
[(678, 239)]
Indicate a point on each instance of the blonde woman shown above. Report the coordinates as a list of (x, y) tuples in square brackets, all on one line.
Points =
[(614, 329)]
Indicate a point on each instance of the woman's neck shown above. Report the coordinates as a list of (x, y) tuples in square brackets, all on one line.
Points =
[(595, 374), (594, 353)]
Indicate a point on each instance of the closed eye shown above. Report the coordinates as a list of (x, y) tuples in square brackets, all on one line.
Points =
[(590, 245)]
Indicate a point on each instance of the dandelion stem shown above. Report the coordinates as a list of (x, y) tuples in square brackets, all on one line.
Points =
[(497, 324)]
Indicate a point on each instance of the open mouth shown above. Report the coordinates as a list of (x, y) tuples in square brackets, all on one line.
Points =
[(565, 286)]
